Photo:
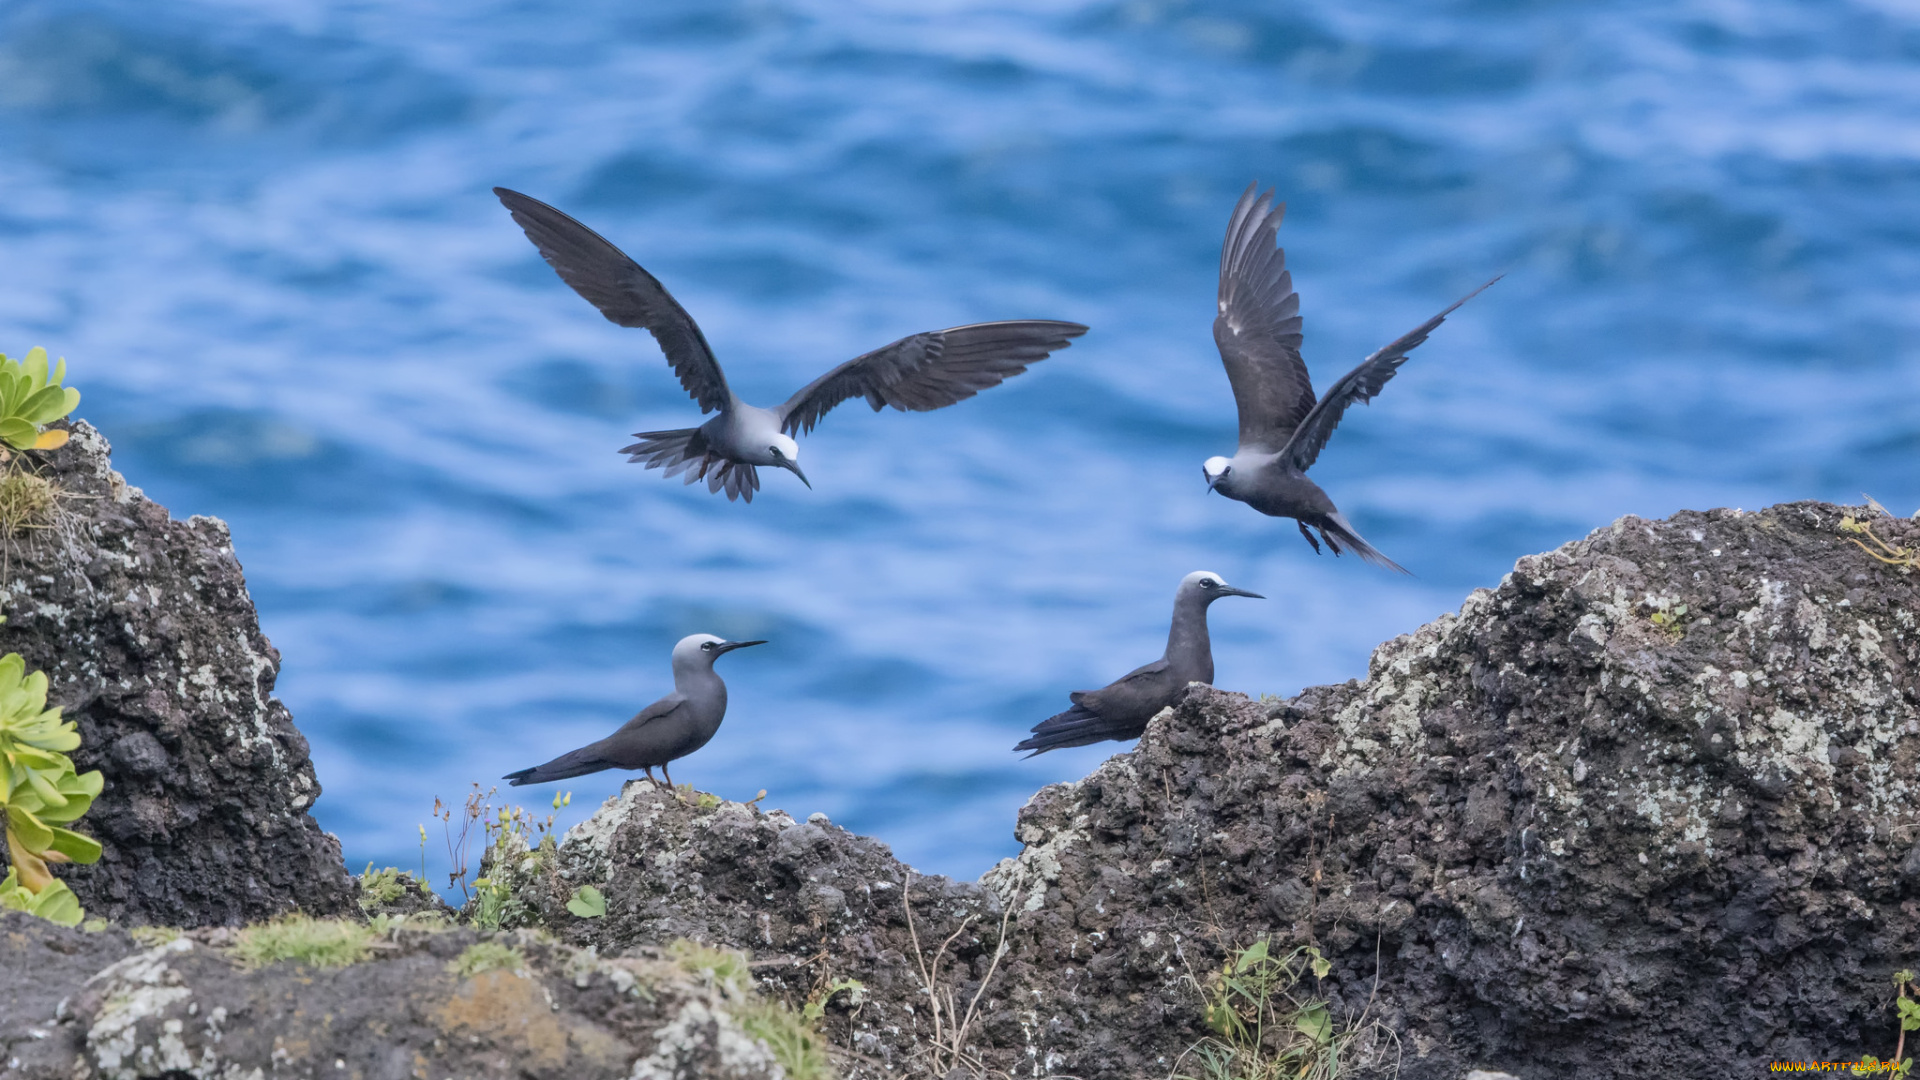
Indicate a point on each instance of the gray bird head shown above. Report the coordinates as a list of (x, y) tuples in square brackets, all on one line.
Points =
[(700, 650), (781, 452), (1217, 470), (1206, 586)]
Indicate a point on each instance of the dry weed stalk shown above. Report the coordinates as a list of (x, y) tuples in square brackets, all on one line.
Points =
[(950, 1025)]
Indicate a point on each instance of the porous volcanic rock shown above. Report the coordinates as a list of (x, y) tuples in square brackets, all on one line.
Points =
[(150, 642), (426, 1002), (1647, 808), (811, 901), (1549, 834)]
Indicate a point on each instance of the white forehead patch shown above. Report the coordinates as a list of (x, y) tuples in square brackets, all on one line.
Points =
[(690, 645), (1200, 575), (1216, 466)]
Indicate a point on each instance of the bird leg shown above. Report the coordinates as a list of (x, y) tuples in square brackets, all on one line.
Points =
[(1330, 541), (1309, 536), (651, 778), (669, 774)]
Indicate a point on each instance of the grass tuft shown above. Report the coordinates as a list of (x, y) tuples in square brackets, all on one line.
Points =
[(27, 501), (487, 956), (303, 939)]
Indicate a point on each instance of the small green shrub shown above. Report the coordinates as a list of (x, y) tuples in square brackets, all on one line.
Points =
[(385, 886), (1263, 1027), (487, 956), (31, 398), (40, 793), (303, 939), (1907, 1006)]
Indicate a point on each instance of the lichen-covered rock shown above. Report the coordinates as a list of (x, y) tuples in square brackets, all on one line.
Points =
[(1553, 833), (150, 642), (101, 1006), (812, 902), (1647, 808)]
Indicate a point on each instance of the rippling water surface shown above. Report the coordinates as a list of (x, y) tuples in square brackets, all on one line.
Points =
[(261, 234)]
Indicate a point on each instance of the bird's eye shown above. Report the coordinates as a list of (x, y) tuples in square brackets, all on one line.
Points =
[(775, 451), (1208, 583), (706, 646)]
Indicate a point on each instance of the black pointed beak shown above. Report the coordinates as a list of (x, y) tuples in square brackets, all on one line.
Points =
[(728, 646), (794, 468), (1228, 590)]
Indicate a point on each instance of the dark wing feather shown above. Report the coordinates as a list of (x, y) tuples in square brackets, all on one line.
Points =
[(626, 294), (930, 370), (1360, 384), (1258, 328)]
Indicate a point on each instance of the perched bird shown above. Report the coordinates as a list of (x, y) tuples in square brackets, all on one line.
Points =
[(1282, 427), (667, 730), (922, 372), (1121, 709)]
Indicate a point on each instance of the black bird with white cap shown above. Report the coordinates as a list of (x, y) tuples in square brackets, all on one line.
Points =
[(667, 730), (1282, 427), (919, 373), (1121, 709)]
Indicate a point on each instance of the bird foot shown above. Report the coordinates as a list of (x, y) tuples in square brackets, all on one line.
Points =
[(1330, 541), (1309, 536)]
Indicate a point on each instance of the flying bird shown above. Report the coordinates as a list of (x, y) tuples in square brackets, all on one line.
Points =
[(1282, 427), (1121, 709), (919, 373), (667, 730)]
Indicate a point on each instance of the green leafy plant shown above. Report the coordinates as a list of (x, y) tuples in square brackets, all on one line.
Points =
[(1668, 616), (587, 903), (384, 886), (1264, 1027), (494, 906), (41, 794), (1906, 1004), (31, 398), (816, 1006), (303, 939), (486, 956)]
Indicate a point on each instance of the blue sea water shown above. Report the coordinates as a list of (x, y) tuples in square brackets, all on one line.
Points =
[(261, 234)]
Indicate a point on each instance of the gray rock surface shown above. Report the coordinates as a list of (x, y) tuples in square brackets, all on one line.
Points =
[(102, 1006), (150, 642), (1550, 834)]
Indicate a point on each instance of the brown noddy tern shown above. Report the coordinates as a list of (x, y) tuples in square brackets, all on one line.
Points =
[(667, 730), (1121, 709), (1282, 426), (920, 372)]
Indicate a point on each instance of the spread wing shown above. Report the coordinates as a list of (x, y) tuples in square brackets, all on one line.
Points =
[(1360, 384), (1258, 328), (930, 370), (626, 294)]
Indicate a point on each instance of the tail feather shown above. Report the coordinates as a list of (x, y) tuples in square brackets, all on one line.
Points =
[(685, 450), (579, 762), (1078, 726), (1338, 526)]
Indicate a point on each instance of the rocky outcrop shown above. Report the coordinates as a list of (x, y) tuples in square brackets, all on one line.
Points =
[(150, 642), (814, 903), (430, 1002), (1647, 807)]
